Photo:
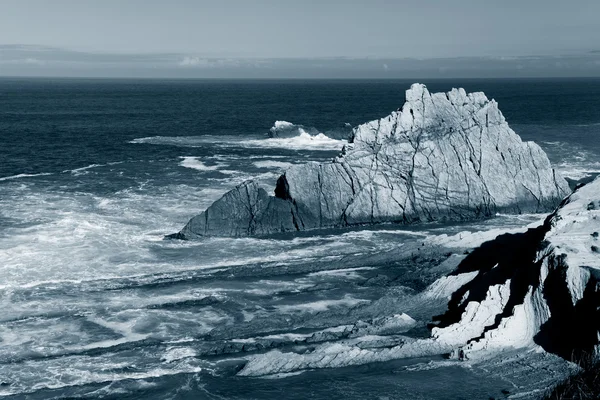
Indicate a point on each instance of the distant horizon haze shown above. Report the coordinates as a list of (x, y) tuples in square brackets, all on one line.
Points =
[(300, 39)]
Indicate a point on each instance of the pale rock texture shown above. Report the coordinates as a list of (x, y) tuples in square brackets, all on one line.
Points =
[(526, 291), (541, 287), (444, 156)]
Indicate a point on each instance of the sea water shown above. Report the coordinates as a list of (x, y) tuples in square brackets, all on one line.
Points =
[(94, 173)]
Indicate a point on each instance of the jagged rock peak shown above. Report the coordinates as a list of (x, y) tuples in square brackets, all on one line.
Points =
[(444, 156), (425, 115)]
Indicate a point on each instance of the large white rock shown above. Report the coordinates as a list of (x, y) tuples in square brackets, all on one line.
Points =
[(445, 156)]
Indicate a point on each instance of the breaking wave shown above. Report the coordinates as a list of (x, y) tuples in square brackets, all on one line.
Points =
[(304, 141), (195, 163), (7, 178), (282, 134), (285, 129)]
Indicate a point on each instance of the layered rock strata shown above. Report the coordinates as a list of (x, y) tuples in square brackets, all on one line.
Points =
[(541, 287)]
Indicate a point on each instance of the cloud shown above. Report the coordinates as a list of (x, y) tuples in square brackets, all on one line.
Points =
[(21, 61), (201, 62), (34, 61), (194, 62)]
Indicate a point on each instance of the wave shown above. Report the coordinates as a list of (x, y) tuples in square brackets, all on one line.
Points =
[(82, 170), (19, 176), (285, 129), (573, 160), (283, 134), (269, 164), (578, 173), (195, 163), (180, 141), (79, 374), (303, 141), (591, 124), (76, 171), (321, 305)]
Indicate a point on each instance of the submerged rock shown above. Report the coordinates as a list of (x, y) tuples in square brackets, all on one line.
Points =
[(541, 287), (444, 156)]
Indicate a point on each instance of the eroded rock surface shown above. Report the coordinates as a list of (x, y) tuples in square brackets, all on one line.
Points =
[(541, 287), (514, 295), (444, 156)]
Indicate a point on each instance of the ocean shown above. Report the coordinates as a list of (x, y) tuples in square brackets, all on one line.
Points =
[(96, 304)]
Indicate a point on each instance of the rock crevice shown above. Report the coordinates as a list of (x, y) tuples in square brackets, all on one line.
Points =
[(551, 276), (445, 156)]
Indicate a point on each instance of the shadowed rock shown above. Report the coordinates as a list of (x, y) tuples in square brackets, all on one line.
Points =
[(444, 156), (541, 287)]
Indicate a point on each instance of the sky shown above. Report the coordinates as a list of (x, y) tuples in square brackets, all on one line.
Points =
[(193, 34)]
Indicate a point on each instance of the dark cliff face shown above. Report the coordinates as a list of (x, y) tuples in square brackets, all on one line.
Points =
[(552, 272), (508, 257), (445, 156), (573, 327)]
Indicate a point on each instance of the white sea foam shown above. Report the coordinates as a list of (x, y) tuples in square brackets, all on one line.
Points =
[(195, 163), (81, 372), (270, 164), (79, 171), (178, 353), (322, 305), (184, 141), (577, 172), (19, 176), (281, 125), (348, 273), (301, 142)]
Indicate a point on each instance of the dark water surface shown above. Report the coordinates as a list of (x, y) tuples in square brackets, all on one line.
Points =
[(95, 304)]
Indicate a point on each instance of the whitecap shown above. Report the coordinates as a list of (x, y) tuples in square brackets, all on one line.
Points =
[(6, 178), (178, 353), (322, 305), (281, 125), (195, 163), (304, 141), (285, 129), (79, 171), (272, 164)]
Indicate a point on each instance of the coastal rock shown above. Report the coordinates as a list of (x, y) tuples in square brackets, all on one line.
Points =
[(541, 287), (444, 156), (246, 210), (522, 291)]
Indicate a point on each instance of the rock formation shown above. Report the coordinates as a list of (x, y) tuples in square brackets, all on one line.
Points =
[(518, 291), (541, 287), (444, 156)]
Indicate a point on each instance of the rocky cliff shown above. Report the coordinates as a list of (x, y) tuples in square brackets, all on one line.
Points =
[(444, 156), (541, 287)]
